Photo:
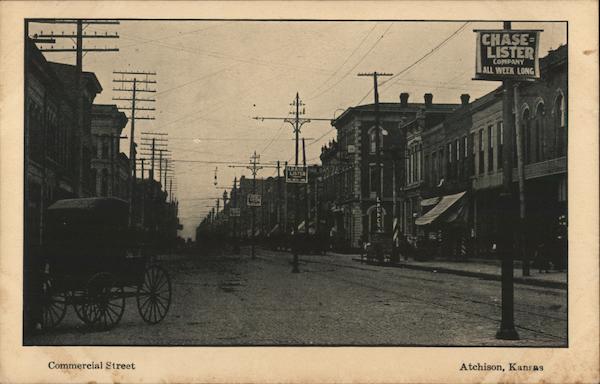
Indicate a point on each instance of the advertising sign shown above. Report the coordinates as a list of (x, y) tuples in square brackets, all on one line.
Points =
[(296, 174), (234, 212), (507, 55), (254, 200)]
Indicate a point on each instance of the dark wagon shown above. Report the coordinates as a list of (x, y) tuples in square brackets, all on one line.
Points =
[(94, 262)]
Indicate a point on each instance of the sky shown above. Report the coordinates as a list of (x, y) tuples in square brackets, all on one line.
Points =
[(213, 77)]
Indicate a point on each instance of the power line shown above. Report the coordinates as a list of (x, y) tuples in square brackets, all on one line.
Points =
[(357, 63), (345, 61), (432, 51)]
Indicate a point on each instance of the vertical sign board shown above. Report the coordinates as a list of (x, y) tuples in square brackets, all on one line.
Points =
[(507, 55), (234, 212), (254, 200), (296, 174)]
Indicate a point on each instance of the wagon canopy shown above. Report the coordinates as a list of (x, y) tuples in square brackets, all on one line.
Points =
[(113, 204), (87, 219)]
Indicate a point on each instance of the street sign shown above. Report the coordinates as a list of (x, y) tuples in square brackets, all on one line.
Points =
[(510, 54), (296, 174), (254, 200), (234, 212)]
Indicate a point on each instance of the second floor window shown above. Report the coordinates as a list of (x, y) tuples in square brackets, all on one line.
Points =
[(560, 126), (481, 153), (490, 140), (500, 141), (373, 140)]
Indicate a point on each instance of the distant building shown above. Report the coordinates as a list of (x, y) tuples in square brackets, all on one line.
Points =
[(107, 165)]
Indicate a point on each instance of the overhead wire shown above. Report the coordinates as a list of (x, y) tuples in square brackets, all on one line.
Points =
[(356, 64), (409, 67)]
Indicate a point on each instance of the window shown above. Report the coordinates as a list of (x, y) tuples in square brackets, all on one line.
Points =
[(539, 129), (527, 146), (373, 179), (104, 150), (490, 140), (104, 183), (500, 141), (480, 151), (426, 172), (560, 126), (373, 142), (465, 147), (472, 153), (434, 168)]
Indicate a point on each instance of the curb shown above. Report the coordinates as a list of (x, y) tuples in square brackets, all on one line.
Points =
[(481, 275)]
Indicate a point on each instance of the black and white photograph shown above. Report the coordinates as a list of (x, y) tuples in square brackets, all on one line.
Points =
[(281, 182), (192, 184)]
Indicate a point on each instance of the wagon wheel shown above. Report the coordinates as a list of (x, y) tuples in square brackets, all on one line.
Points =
[(103, 303), (54, 304), (82, 308), (154, 295)]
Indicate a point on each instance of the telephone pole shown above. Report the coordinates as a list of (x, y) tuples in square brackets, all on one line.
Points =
[(135, 78), (297, 122), (254, 167), (45, 39), (507, 329)]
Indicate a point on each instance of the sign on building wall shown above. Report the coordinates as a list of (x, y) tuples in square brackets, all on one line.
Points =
[(254, 200), (507, 54), (296, 174), (234, 212)]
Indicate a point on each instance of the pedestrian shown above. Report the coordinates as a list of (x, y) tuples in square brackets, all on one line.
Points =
[(332, 235)]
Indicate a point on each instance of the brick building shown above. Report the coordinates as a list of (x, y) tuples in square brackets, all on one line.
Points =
[(58, 153), (110, 173), (464, 154), (350, 179)]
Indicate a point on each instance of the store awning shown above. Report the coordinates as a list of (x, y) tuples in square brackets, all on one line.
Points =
[(430, 202), (443, 206)]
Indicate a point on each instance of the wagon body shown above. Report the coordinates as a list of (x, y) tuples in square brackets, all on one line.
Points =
[(94, 262)]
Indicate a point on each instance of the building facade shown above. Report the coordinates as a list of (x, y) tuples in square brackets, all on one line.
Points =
[(464, 153), (107, 167), (350, 165)]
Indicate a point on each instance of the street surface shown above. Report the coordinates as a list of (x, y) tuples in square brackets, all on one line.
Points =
[(234, 300)]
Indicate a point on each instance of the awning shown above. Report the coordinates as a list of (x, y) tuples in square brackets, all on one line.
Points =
[(430, 202), (445, 203)]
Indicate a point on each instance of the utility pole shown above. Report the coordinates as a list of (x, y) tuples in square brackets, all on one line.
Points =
[(134, 78), (278, 196), (378, 140), (78, 36), (296, 123), (507, 329), (254, 167), (234, 203)]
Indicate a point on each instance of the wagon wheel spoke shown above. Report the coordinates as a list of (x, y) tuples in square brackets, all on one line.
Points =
[(154, 295), (54, 305), (104, 302)]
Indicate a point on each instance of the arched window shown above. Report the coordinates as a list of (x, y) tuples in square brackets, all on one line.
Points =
[(372, 140), (526, 125), (540, 115), (560, 125)]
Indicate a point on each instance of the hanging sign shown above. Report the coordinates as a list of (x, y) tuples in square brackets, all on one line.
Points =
[(254, 200), (507, 55), (296, 174)]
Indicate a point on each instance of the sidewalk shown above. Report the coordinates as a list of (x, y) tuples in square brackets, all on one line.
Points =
[(484, 269)]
